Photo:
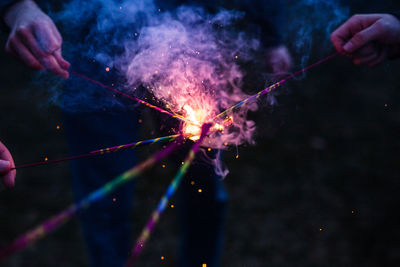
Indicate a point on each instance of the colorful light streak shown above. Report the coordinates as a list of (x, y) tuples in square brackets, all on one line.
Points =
[(55, 222), (154, 218), (64, 216), (103, 151)]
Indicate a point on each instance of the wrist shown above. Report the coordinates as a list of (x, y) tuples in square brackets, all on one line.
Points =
[(14, 11)]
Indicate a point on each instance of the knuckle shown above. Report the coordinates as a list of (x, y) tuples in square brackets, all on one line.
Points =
[(380, 25), (53, 46), (22, 31)]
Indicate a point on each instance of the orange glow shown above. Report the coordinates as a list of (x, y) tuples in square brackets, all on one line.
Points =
[(107, 69), (195, 119)]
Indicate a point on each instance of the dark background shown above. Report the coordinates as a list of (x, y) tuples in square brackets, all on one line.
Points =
[(320, 187)]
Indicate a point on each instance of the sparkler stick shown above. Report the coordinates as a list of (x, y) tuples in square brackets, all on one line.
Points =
[(103, 151), (64, 216), (154, 218), (173, 115), (272, 87)]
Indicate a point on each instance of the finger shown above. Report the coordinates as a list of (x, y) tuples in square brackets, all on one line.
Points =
[(344, 33), (366, 50), (351, 27), (362, 38), (56, 33), (4, 166), (16, 47), (366, 59), (9, 177), (47, 60), (381, 58), (63, 63), (29, 40), (52, 65), (47, 40), (339, 38)]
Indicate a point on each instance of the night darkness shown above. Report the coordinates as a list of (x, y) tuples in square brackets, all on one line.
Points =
[(320, 187)]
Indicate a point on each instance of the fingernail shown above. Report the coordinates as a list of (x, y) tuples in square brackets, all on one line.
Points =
[(348, 47), (4, 165)]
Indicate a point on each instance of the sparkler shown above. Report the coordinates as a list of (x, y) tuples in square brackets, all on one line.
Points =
[(272, 87), (103, 151), (64, 216), (154, 218), (172, 114)]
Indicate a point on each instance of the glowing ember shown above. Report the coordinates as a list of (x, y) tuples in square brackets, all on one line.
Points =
[(197, 117)]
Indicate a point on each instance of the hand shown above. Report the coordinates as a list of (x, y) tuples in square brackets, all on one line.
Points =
[(279, 59), (6, 163), (34, 39), (368, 39)]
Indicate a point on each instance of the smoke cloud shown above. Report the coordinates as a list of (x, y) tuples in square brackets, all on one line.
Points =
[(186, 57)]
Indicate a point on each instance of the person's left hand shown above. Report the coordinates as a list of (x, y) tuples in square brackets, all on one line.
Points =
[(279, 59), (6, 164)]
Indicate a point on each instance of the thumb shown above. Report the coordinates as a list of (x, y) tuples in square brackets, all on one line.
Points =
[(362, 38), (4, 166)]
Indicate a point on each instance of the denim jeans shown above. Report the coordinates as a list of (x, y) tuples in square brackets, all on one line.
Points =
[(107, 224)]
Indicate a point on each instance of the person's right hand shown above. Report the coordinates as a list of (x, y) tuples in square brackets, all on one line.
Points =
[(368, 39), (6, 163), (34, 39)]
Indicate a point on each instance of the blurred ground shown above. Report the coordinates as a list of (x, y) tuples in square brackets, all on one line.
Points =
[(320, 188)]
